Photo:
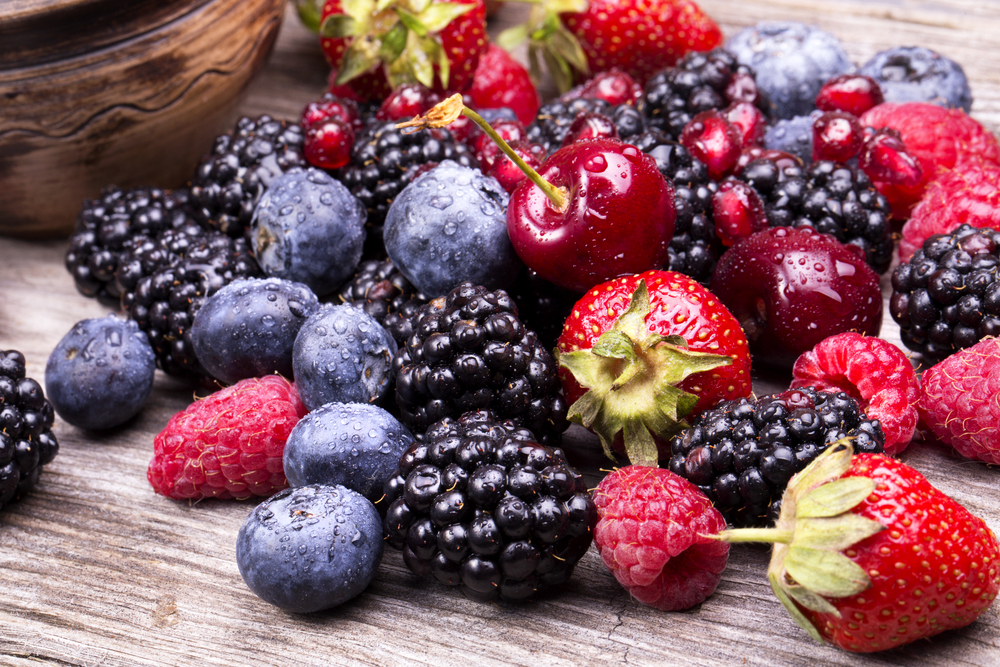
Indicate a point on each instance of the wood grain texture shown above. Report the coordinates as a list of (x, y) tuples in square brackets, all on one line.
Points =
[(97, 570)]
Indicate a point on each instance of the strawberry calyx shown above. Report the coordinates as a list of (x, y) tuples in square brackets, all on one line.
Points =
[(402, 34), (549, 40), (815, 526), (631, 376)]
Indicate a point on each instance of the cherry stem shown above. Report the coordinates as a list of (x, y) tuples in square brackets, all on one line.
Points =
[(450, 109)]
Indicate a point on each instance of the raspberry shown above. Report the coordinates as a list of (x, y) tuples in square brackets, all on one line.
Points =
[(969, 194), (651, 535), (938, 138), (872, 371), (228, 445), (958, 401)]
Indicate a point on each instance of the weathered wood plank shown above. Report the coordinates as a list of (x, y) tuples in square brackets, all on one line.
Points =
[(97, 570)]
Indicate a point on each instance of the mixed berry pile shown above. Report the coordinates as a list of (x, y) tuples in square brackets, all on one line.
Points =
[(411, 290)]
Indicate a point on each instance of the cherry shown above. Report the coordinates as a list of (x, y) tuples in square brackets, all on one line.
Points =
[(711, 138), (792, 287), (331, 106), (590, 126), (407, 101), (509, 174), (853, 93), (884, 158), (837, 136), (596, 210), (613, 86), (742, 87), (780, 158), (750, 121), (738, 211), (487, 150), (328, 143)]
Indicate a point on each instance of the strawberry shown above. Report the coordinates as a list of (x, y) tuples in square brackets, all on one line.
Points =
[(869, 556), (639, 353), (501, 81), (377, 46), (641, 37)]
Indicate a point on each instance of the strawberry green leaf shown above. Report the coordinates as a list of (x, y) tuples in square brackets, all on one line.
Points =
[(338, 26), (359, 10), (566, 6), (615, 345), (565, 43), (642, 448), (513, 37), (444, 67), (440, 14), (834, 498), (835, 533), (416, 6), (793, 610), (633, 321), (810, 600), (393, 43), (411, 21), (359, 58), (310, 12), (825, 572)]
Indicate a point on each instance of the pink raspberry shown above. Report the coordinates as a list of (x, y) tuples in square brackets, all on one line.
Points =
[(968, 194), (958, 401), (229, 444), (874, 372), (650, 534), (938, 138)]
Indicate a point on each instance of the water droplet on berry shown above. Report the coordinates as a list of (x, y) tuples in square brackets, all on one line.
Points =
[(450, 228), (441, 202), (268, 321), (844, 268), (596, 163), (286, 210)]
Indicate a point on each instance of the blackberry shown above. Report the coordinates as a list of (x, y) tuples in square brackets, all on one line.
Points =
[(695, 247), (383, 162), (741, 453), (478, 503), (108, 224), (947, 296), (699, 82), (144, 255), (379, 289), (833, 198), (229, 181), (555, 118), (470, 351), (164, 303), (26, 440), (542, 306)]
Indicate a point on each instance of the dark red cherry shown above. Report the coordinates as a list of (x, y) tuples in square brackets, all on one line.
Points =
[(509, 174), (837, 136), (486, 150), (853, 93), (613, 86), (328, 143), (407, 101), (792, 287), (884, 158), (711, 138), (331, 106), (617, 215), (738, 211), (590, 126), (750, 121), (780, 158)]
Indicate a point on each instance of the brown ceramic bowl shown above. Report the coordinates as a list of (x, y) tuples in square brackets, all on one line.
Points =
[(101, 92)]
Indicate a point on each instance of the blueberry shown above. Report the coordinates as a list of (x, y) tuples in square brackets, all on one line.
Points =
[(449, 226), (101, 372), (310, 548), (342, 354), (793, 135), (309, 228), (247, 328), (917, 74), (792, 61), (352, 444)]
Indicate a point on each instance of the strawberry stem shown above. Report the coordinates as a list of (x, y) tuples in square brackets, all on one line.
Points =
[(450, 109), (769, 535)]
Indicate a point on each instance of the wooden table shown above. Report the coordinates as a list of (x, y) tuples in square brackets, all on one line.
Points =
[(97, 570)]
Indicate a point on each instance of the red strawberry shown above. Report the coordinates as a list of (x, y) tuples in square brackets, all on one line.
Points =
[(958, 401), (641, 352), (872, 371), (641, 37), (501, 81), (375, 47), (229, 444), (869, 556), (651, 534)]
